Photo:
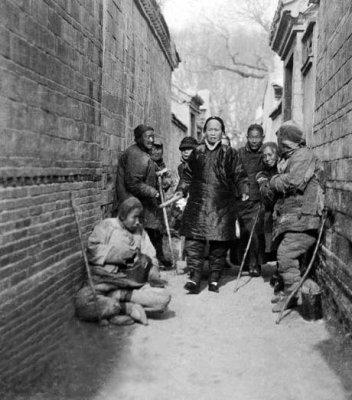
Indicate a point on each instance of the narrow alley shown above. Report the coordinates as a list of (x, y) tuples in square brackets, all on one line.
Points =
[(137, 135), (207, 347)]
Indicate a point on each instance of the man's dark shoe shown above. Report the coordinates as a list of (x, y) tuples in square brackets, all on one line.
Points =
[(273, 280), (213, 287), (254, 271), (192, 287), (165, 264), (277, 283)]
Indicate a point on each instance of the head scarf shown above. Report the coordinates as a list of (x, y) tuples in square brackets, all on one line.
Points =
[(289, 137), (127, 206)]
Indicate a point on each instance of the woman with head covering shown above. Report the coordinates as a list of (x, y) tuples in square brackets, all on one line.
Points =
[(212, 177), (298, 206), (270, 160), (124, 267)]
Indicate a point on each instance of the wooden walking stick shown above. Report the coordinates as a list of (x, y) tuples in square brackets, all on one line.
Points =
[(89, 275), (162, 198), (247, 248), (175, 198), (290, 297)]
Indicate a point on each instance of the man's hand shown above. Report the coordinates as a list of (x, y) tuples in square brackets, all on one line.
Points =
[(245, 197), (161, 172)]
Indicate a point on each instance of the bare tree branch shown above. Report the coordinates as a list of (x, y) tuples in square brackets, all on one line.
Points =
[(242, 69), (254, 10), (244, 74), (222, 31)]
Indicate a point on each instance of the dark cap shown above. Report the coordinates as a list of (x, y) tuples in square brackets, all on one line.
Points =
[(158, 142), (138, 132), (188, 142)]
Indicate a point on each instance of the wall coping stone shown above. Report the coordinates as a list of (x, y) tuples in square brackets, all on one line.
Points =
[(152, 13)]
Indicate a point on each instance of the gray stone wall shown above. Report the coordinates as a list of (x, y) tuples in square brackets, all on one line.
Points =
[(75, 78), (332, 140)]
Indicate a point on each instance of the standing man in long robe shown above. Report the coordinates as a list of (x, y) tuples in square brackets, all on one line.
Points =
[(136, 176)]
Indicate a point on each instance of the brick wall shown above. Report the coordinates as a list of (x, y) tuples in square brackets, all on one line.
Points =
[(133, 91), (75, 77), (332, 140)]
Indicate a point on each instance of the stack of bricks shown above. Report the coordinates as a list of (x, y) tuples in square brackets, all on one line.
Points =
[(332, 140), (75, 77)]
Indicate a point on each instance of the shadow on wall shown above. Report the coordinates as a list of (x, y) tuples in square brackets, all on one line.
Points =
[(82, 366)]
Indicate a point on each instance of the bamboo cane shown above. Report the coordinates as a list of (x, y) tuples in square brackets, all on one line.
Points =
[(162, 198), (289, 298), (247, 248), (173, 199), (89, 275)]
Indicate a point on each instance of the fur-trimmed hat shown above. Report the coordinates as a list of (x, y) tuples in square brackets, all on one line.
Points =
[(188, 142)]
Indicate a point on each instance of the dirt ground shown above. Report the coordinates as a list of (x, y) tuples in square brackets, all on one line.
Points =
[(209, 346)]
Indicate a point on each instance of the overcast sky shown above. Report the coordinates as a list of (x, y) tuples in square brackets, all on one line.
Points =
[(179, 13)]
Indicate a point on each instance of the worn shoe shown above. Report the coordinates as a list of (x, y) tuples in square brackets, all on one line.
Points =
[(277, 297), (192, 287), (279, 305), (278, 285), (213, 287), (273, 279), (254, 271)]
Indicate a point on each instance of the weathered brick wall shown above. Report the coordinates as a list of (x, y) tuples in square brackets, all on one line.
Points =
[(332, 140), (75, 76), (133, 91)]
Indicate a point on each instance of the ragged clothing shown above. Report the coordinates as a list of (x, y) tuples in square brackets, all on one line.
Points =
[(136, 176), (124, 270), (112, 247), (298, 192), (299, 203)]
